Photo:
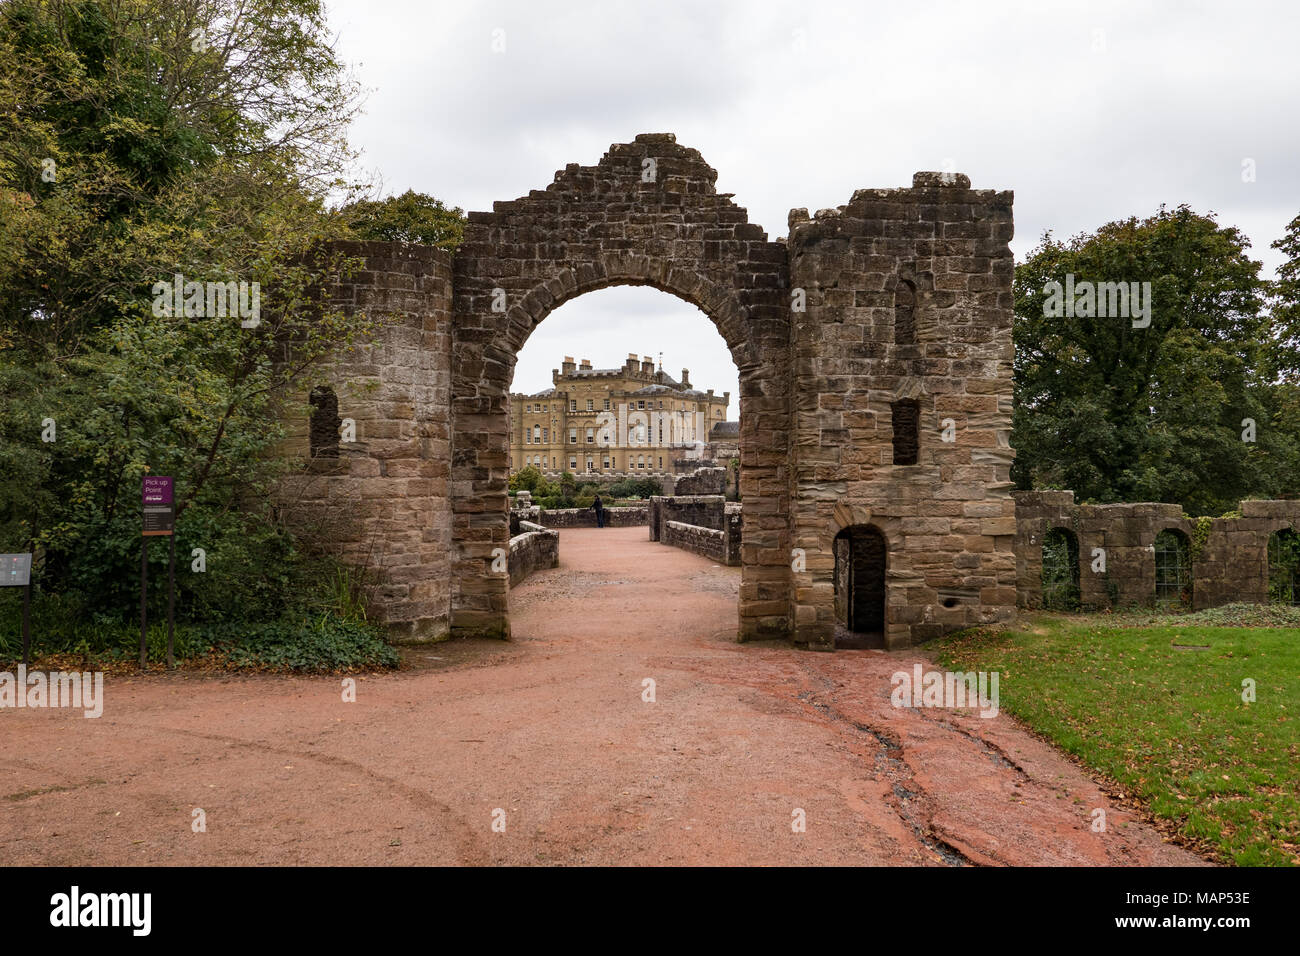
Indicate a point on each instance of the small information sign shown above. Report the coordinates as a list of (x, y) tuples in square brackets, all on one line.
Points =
[(15, 570), (159, 510)]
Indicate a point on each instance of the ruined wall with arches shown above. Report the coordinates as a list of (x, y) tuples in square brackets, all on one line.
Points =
[(1228, 559)]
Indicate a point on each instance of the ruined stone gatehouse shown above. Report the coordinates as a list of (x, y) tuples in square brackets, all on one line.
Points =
[(874, 352)]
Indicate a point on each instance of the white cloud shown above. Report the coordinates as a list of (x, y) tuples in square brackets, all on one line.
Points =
[(800, 104)]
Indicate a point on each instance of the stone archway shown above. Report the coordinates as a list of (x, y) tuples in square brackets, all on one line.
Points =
[(859, 404), (646, 214)]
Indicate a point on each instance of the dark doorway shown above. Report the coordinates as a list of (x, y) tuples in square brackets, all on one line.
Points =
[(861, 559)]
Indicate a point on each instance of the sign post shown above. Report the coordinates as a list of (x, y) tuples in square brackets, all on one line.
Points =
[(16, 572), (159, 521)]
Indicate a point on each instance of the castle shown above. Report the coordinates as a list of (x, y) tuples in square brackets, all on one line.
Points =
[(633, 420)]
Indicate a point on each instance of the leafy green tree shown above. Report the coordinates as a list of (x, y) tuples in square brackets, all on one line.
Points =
[(410, 217), (141, 139), (1286, 304), (526, 479), (1157, 413)]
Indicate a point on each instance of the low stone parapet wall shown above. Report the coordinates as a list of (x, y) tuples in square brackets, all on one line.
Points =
[(699, 513), (622, 517), (705, 511), (703, 541), (702, 481), (535, 549)]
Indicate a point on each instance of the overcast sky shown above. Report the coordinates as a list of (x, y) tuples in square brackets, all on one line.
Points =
[(1089, 111)]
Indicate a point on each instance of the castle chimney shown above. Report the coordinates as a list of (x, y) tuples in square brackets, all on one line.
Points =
[(567, 365), (686, 378), (586, 363)]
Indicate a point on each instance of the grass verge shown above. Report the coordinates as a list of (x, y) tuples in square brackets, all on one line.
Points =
[(1154, 702)]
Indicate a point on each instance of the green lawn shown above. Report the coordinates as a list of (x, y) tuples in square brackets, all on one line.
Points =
[(1168, 724)]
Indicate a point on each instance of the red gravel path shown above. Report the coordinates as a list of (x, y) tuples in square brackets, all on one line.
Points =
[(552, 729)]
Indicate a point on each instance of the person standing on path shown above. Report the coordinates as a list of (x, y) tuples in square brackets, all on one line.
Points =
[(600, 512)]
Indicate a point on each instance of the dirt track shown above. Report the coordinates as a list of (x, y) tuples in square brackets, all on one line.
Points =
[(552, 729)]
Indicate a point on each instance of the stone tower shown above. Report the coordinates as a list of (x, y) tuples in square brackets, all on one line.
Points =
[(901, 407)]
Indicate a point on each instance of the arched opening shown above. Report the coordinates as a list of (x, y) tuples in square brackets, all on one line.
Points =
[(1173, 553), (907, 431), (593, 228), (861, 563), (325, 422), (625, 386), (1060, 575), (619, 384), (905, 313), (1284, 567)]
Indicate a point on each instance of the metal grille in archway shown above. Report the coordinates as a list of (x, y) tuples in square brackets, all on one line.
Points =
[(1284, 567), (1173, 569), (1060, 570)]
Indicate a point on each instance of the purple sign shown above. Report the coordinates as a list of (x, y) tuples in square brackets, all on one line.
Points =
[(157, 490)]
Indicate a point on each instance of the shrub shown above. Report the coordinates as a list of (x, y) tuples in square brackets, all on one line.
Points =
[(328, 643)]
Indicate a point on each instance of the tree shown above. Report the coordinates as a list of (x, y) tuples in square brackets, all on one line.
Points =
[(1286, 304), (526, 479), (141, 139), (1284, 373), (1120, 412), (410, 217)]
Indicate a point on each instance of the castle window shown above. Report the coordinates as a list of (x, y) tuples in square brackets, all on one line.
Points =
[(588, 404), (573, 404), (641, 404), (591, 435), (573, 436), (905, 313), (607, 404), (325, 422), (907, 439)]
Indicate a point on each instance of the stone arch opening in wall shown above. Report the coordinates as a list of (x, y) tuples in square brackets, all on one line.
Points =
[(1060, 572), (1284, 567), (861, 591), (633, 419), (646, 214), (638, 423), (1173, 562)]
